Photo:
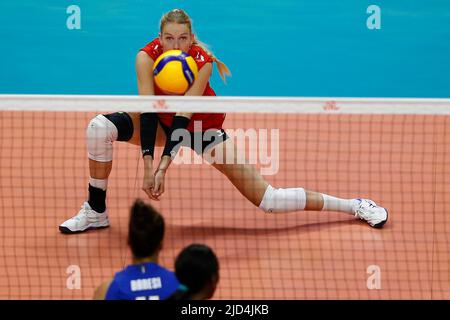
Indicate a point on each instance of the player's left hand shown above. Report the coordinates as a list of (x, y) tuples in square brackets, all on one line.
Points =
[(158, 189)]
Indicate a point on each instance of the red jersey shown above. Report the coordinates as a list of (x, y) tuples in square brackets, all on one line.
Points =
[(208, 120)]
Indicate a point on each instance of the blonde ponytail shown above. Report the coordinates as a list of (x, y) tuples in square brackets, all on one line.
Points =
[(224, 71)]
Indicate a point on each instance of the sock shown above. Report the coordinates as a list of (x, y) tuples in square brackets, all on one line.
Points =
[(283, 200), (336, 204), (99, 183), (97, 199)]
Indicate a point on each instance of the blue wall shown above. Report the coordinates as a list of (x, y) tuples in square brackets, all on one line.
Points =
[(273, 48)]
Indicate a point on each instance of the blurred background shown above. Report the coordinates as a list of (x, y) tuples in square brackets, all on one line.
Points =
[(354, 48)]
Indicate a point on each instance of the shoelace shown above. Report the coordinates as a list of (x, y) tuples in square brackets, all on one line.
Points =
[(83, 213), (361, 214)]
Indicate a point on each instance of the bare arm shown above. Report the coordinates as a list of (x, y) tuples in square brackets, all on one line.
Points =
[(100, 292), (144, 71), (199, 85)]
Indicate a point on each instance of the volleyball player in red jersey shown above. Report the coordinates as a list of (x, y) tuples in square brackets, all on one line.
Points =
[(150, 129), (209, 120)]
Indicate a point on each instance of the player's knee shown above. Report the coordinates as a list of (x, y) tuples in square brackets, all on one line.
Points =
[(100, 135), (283, 200)]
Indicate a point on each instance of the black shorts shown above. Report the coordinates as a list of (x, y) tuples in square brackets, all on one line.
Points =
[(208, 139)]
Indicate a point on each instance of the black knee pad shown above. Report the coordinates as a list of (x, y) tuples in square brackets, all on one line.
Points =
[(123, 123)]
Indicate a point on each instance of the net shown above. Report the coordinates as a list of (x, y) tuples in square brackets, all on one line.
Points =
[(394, 151)]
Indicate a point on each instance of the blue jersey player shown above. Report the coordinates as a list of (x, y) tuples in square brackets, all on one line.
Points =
[(197, 268), (144, 279)]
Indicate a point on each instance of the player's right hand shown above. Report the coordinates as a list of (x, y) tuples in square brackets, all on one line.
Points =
[(148, 186)]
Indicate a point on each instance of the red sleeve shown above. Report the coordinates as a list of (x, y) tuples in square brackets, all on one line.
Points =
[(153, 49), (200, 56)]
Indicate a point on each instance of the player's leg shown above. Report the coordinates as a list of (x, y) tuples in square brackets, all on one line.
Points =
[(101, 133), (247, 179), (126, 128)]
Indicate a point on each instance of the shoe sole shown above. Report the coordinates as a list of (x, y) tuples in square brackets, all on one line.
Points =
[(381, 224), (66, 230)]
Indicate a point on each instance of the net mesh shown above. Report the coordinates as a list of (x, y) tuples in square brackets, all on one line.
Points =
[(397, 154)]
